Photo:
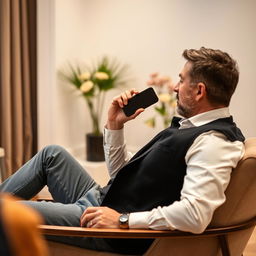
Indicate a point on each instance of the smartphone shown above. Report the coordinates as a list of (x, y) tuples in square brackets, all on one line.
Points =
[(143, 99)]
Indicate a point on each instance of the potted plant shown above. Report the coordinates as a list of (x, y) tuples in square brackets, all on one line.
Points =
[(165, 108), (93, 83)]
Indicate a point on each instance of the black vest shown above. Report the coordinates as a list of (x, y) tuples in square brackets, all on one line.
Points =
[(154, 176)]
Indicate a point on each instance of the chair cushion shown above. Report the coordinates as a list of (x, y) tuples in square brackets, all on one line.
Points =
[(241, 191)]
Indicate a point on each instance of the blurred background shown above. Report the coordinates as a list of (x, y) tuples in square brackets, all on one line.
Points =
[(147, 35)]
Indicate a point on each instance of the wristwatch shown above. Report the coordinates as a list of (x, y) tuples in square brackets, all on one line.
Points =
[(124, 220)]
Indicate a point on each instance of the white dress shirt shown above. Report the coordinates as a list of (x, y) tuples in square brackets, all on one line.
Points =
[(209, 160)]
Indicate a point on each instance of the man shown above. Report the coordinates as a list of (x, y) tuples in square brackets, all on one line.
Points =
[(176, 181)]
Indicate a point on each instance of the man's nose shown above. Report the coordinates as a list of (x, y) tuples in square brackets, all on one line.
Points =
[(176, 87)]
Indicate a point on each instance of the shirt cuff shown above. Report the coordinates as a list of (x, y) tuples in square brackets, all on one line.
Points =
[(113, 137), (139, 220)]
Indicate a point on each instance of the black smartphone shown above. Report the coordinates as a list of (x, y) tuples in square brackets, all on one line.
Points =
[(143, 99)]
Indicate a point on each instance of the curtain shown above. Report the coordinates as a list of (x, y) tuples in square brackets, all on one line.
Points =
[(18, 111)]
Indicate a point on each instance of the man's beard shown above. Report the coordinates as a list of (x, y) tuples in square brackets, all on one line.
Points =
[(184, 111), (181, 110)]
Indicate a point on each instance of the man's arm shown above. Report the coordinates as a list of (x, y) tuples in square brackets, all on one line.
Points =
[(116, 154), (209, 164)]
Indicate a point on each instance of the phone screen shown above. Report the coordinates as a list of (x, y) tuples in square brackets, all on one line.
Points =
[(143, 99)]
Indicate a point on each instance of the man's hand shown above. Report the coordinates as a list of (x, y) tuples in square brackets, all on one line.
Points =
[(100, 217), (116, 116)]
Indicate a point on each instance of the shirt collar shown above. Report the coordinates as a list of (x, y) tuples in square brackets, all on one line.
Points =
[(204, 118)]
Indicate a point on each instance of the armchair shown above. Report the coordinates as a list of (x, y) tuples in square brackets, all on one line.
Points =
[(227, 234), (19, 234)]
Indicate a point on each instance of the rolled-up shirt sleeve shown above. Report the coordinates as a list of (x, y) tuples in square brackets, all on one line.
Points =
[(116, 154), (209, 161)]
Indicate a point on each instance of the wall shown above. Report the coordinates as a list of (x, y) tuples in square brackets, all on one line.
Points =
[(149, 35)]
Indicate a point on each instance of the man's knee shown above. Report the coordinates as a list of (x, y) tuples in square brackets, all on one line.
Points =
[(54, 150)]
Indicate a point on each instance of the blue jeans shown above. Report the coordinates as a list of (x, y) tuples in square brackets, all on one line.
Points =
[(71, 187)]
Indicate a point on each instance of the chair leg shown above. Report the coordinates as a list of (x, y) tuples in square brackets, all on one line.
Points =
[(224, 245)]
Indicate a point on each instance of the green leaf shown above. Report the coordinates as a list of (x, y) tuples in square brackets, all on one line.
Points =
[(161, 110), (151, 122)]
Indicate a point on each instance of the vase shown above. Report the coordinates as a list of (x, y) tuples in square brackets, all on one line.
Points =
[(94, 148)]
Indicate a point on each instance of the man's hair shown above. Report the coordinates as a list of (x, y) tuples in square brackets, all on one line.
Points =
[(217, 70)]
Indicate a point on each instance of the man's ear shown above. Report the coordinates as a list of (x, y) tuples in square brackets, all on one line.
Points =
[(201, 91)]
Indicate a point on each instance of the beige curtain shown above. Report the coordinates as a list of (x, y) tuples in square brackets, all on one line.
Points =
[(18, 131)]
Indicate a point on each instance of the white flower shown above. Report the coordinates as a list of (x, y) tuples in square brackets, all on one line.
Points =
[(84, 76), (164, 97), (101, 75), (165, 79), (86, 86)]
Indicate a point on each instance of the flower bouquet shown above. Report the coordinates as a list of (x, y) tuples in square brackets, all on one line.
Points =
[(93, 83), (167, 99)]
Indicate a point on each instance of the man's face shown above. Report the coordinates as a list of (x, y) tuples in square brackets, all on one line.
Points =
[(186, 92)]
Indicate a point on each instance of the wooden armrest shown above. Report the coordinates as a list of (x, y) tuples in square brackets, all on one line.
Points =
[(138, 233)]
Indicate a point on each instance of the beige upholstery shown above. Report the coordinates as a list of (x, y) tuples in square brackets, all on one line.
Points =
[(19, 225), (239, 207)]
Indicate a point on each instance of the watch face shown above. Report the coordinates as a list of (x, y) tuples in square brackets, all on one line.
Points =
[(123, 218), (123, 221)]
